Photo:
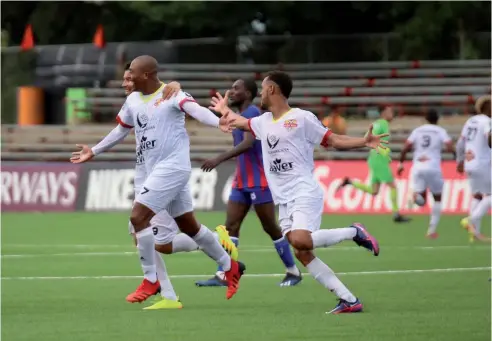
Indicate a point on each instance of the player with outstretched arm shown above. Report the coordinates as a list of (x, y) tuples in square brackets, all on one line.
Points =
[(289, 169)]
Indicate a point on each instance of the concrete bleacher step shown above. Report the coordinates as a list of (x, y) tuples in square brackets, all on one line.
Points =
[(362, 82), (329, 91)]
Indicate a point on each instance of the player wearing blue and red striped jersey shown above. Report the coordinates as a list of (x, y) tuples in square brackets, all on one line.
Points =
[(250, 186)]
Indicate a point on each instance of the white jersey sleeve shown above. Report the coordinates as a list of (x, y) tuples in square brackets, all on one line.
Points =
[(413, 137), (125, 116), (316, 133), (445, 136), (255, 126), (182, 98)]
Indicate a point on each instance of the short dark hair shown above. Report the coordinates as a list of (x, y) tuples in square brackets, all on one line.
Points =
[(283, 81), (127, 66), (250, 85), (432, 116)]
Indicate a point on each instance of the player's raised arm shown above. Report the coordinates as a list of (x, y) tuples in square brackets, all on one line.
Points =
[(241, 148), (407, 147), (187, 104), (316, 133), (115, 136)]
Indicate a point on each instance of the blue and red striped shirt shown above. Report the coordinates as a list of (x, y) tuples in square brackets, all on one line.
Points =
[(249, 165)]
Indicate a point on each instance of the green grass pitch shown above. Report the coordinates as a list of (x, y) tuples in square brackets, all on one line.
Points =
[(66, 276)]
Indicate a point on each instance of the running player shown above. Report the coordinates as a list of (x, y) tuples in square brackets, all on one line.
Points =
[(294, 133), (473, 156), (379, 166), (161, 134), (250, 186), (427, 142)]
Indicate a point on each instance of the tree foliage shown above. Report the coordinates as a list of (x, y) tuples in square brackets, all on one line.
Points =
[(424, 26)]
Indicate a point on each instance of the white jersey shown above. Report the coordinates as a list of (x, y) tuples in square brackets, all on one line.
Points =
[(428, 141), (140, 171), (160, 131), (477, 150), (288, 145)]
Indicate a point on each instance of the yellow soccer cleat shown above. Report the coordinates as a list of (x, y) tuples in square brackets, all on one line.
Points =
[(465, 223), (227, 242), (164, 303)]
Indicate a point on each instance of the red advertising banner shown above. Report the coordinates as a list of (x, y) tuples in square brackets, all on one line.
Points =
[(40, 187), (456, 194)]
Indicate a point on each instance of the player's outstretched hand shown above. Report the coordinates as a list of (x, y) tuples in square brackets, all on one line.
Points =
[(171, 90), (225, 123), (219, 103), (83, 155), (375, 141), (210, 164)]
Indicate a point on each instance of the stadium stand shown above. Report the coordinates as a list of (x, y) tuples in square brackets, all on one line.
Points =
[(57, 142), (449, 86), (412, 87)]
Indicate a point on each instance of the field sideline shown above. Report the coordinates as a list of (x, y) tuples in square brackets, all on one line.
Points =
[(65, 277)]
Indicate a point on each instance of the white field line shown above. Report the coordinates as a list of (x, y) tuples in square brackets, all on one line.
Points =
[(246, 250), (355, 273)]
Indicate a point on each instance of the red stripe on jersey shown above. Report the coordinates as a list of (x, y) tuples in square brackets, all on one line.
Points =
[(263, 180), (251, 130), (249, 171), (324, 141), (239, 178), (123, 124), (408, 143), (183, 101)]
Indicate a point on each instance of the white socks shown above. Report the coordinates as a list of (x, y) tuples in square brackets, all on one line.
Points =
[(435, 216), (324, 275), (325, 238), (208, 242), (184, 243), (145, 246), (167, 290), (481, 209)]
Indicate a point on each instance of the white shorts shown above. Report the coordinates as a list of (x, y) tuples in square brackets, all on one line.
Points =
[(167, 189), (479, 180), (163, 226), (423, 179), (300, 214)]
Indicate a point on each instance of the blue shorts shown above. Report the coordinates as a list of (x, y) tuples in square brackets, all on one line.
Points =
[(251, 196)]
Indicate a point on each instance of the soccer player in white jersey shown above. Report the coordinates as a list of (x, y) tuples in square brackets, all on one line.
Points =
[(427, 142), (162, 138), (473, 156), (289, 136)]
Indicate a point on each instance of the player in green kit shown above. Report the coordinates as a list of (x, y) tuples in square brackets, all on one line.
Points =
[(379, 165)]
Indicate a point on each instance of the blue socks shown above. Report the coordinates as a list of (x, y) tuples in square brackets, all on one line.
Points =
[(283, 250)]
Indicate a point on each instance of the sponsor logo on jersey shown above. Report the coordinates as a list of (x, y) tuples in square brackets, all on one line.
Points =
[(277, 166), (146, 144), (140, 157), (290, 124), (272, 141), (142, 120)]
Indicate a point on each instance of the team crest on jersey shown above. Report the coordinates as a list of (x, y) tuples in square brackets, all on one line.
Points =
[(142, 120), (290, 124)]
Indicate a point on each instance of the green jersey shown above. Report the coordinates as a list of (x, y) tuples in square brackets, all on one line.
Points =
[(379, 127)]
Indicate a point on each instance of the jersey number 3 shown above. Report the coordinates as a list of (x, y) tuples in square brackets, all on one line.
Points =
[(426, 141)]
